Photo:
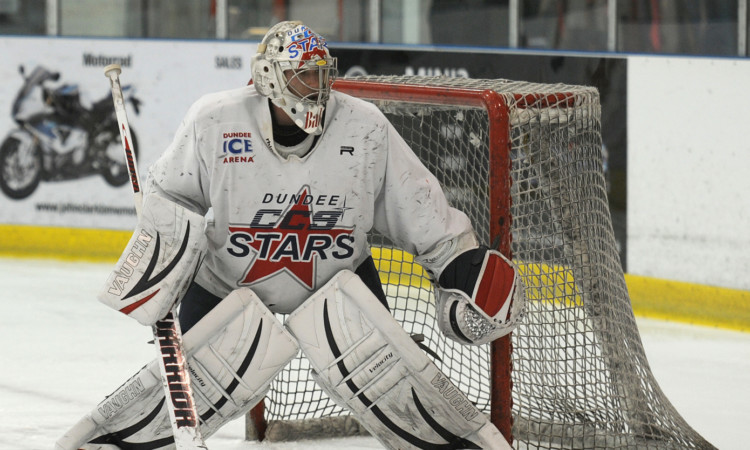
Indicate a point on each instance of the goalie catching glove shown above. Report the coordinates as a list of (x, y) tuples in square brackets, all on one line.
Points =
[(479, 294)]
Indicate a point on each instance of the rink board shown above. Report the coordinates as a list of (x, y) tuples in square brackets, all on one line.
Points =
[(651, 297)]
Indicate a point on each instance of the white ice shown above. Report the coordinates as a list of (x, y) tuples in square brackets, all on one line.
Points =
[(62, 351)]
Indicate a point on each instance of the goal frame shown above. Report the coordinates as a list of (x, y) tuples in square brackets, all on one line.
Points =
[(496, 106)]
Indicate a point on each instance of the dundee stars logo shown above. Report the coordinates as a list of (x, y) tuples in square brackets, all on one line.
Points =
[(288, 236)]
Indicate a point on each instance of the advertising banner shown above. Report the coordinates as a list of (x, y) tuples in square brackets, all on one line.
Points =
[(78, 177), (54, 95)]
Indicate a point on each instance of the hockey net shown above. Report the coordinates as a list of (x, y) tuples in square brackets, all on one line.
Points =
[(524, 161)]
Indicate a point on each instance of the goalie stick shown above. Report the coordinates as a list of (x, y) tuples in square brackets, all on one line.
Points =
[(167, 336)]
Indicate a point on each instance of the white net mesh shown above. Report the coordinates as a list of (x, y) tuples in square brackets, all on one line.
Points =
[(580, 376)]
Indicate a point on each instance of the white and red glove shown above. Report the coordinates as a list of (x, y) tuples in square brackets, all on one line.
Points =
[(480, 296)]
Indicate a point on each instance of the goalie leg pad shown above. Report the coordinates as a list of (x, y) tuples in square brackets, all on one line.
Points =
[(158, 263), (367, 363), (233, 353)]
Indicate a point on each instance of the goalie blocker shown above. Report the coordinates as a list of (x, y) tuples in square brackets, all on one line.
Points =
[(158, 263), (367, 363)]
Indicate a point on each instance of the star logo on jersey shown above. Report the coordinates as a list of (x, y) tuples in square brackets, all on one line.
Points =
[(291, 240)]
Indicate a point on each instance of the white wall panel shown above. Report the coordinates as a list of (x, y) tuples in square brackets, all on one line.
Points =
[(689, 169)]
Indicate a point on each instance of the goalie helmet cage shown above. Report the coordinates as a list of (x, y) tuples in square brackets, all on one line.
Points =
[(524, 161)]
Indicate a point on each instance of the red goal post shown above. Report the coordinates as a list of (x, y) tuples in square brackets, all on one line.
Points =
[(524, 161)]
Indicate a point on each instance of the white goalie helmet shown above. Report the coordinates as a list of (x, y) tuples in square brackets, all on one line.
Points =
[(294, 68)]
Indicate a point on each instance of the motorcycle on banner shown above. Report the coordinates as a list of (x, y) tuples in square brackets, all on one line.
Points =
[(58, 138)]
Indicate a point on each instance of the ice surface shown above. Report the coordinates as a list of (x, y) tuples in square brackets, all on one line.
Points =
[(62, 351)]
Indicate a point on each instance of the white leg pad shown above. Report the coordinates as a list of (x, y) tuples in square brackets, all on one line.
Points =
[(367, 363), (233, 353)]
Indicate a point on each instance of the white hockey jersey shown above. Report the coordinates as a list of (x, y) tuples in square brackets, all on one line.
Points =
[(284, 227)]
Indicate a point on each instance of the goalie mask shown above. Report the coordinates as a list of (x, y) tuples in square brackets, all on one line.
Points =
[(295, 70)]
